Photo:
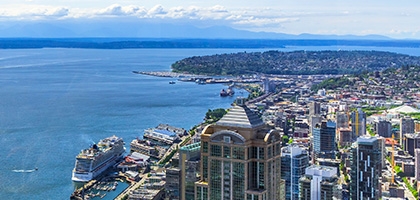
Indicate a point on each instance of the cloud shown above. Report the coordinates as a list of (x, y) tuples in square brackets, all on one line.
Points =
[(156, 10), (284, 18), (34, 12), (118, 10)]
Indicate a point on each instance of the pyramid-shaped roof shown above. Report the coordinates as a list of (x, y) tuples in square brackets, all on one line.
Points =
[(240, 116)]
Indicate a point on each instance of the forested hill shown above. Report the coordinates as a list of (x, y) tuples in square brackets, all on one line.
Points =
[(293, 63)]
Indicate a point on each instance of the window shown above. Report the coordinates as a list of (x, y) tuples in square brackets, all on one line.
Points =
[(226, 139), (205, 147), (238, 153), (226, 152), (260, 152), (216, 150)]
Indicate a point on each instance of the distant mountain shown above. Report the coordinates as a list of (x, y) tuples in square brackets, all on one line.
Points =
[(135, 29)]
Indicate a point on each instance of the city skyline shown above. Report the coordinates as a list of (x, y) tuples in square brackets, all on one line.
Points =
[(395, 20)]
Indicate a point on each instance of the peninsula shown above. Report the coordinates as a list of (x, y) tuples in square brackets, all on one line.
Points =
[(293, 63)]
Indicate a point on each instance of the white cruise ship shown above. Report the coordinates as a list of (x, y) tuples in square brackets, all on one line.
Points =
[(93, 161)]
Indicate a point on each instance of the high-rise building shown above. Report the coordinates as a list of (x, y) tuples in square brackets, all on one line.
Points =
[(411, 142), (320, 182), (314, 120), (366, 169), (417, 167), (315, 108), (383, 128), (173, 177), (294, 161), (240, 158), (406, 126), (358, 123), (342, 120), (189, 157), (324, 145), (345, 137)]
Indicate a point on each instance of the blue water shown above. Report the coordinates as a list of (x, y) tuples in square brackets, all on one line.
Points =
[(55, 102)]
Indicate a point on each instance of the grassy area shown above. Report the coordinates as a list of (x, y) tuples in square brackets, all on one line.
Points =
[(369, 129), (411, 188), (414, 115)]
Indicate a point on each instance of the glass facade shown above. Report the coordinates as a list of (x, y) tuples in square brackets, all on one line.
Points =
[(205, 146), (238, 186), (238, 153), (226, 152), (201, 193), (215, 179), (216, 150), (205, 168)]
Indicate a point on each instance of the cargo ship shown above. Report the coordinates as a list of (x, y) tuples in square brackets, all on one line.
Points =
[(93, 161)]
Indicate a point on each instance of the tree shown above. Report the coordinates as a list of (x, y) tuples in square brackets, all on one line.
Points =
[(215, 115)]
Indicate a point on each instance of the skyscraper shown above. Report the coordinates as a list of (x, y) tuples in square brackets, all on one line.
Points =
[(366, 169), (294, 161), (324, 145), (319, 182), (240, 158), (411, 142), (189, 157), (342, 120), (417, 167), (315, 108), (383, 128), (406, 126), (358, 123)]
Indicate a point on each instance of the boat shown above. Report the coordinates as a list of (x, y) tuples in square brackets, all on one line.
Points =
[(93, 161), (171, 82), (228, 92)]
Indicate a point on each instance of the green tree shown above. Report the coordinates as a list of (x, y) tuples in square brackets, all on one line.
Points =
[(215, 115)]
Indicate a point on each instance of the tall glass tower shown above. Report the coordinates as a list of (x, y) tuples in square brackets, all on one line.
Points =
[(366, 169), (294, 161)]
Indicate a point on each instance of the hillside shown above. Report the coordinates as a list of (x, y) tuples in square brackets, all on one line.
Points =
[(293, 63)]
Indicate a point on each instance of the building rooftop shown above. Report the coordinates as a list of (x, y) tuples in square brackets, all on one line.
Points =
[(366, 139), (319, 170), (240, 116), (191, 147)]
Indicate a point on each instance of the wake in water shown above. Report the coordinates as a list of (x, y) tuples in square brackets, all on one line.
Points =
[(24, 170)]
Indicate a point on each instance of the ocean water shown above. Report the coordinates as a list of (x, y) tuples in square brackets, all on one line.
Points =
[(55, 102)]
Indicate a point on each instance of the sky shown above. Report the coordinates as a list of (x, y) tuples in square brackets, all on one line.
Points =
[(396, 19)]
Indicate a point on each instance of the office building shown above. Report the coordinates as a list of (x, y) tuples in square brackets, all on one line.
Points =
[(417, 167), (342, 120), (411, 142), (383, 128), (189, 157), (358, 123), (366, 169), (345, 137), (315, 108), (324, 145), (173, 175), (406, 126), (294, 161), (240, 158), (320, 182)]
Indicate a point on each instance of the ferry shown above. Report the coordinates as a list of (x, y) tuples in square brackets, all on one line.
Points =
[(93, 161)]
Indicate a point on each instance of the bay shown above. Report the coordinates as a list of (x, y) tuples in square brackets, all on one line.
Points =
[(55, 102)]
